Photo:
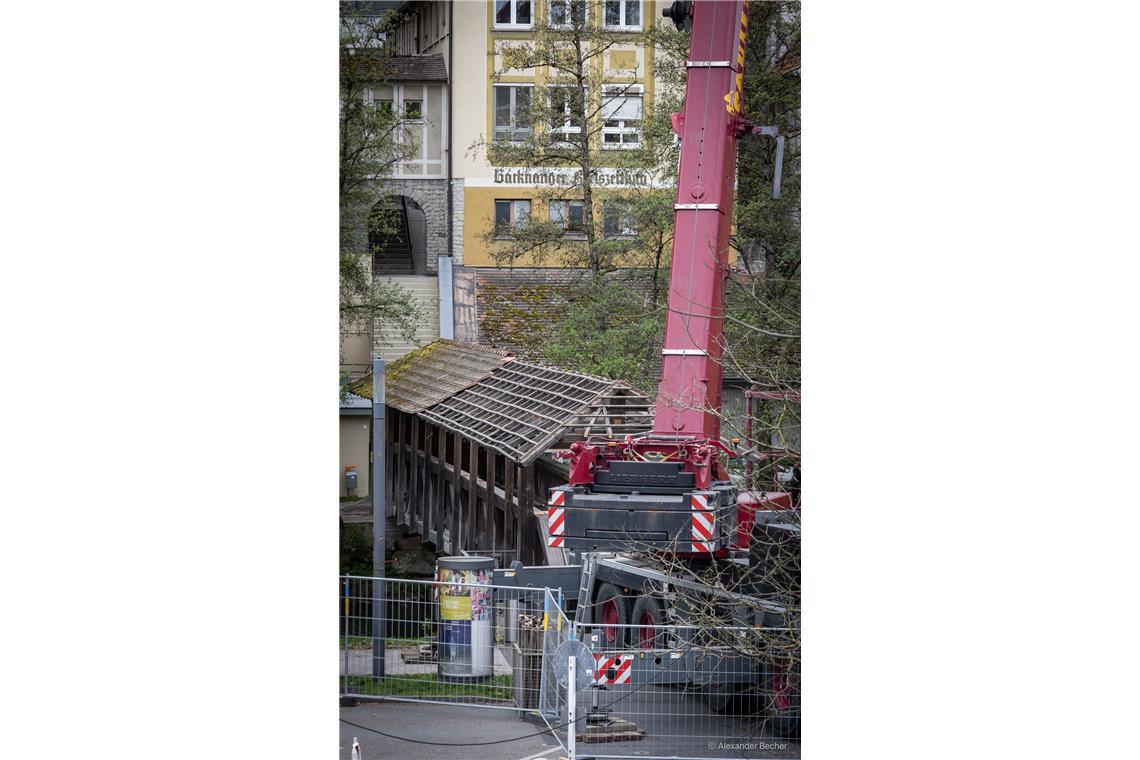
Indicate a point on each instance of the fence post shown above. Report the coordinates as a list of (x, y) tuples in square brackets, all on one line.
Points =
[(571, 694), (379, 459), (344, 682)]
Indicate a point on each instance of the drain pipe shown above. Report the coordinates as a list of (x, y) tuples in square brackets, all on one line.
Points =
[(450, 136), (379, 513), (446, 277)]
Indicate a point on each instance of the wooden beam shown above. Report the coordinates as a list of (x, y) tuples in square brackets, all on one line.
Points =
[(414, 492), (401, 479), (457, 460), (509, 511), (490, 504), (440, 488), (522, 545), (472, 495), (429, 482)]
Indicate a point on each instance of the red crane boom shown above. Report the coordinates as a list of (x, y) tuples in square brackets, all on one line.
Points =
[(670, 489), (689, 393)]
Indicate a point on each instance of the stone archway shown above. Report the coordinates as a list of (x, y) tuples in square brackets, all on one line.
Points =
[(429, 197), (397, 228)]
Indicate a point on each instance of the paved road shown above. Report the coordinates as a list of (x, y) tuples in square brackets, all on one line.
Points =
[(442, 723), (675, 723), (678, 722)]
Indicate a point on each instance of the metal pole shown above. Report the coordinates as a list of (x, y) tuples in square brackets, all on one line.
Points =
[(571, 694), (379, 489), (748, 440), (346, 597), (779, 167), (446, 305)]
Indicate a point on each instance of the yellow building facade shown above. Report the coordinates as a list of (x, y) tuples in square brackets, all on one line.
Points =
[(489, 98)]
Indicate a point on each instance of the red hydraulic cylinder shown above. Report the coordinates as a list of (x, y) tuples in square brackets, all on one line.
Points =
[(689, 393)]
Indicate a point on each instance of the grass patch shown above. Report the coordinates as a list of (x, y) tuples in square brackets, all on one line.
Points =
[(428, 686), (365, 642)]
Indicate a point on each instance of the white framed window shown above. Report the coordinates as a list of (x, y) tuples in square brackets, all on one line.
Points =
[(571, 215), (510, 215), (566, 107), (514, 14), (621, 116), (416, 109), (617, 219), (622, 14), (565, 13), (512, 112)]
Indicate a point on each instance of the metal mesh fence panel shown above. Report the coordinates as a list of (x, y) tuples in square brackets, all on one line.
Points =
[(688, 691), (557, 628), (458, 643)]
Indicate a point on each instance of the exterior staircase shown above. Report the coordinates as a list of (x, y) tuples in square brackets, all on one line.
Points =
[(425, 290), (392, 253)]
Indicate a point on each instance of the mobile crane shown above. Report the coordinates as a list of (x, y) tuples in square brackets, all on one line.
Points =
[(669, 491)]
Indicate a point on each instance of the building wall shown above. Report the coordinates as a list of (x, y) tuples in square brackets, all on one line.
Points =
[(354, 431), (479, 213), (477, 57), (356, 350), (425, 30), (425, 137), (458, 205), (476, 60)]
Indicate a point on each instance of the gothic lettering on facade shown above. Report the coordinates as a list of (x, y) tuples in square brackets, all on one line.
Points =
[(570, 178)]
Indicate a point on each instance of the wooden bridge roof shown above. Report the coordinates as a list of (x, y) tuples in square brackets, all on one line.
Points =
[(517, 408)]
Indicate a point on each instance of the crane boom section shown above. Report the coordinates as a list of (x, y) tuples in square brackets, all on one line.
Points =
[(689, 394)]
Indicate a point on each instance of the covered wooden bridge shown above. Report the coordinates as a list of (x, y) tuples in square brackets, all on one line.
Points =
[(466, 433)]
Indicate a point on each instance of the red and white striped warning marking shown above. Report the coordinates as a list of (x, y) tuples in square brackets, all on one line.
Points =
[(703, 519), (613, 669), (556, 517)]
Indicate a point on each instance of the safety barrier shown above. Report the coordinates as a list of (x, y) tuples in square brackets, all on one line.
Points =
[(690, 691), (473, 646), (676, 691)]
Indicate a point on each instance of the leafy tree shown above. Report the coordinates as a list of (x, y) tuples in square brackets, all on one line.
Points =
[(610, 321), (762, 319), (563, 126), (369, 149), (612, 332)]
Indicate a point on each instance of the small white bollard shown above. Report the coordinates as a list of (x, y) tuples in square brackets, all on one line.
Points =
[(356, 750)]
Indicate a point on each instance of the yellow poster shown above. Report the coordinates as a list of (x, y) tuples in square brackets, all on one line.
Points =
[(455, 607)]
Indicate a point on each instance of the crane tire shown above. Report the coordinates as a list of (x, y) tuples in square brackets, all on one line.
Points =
[(610, 608)]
